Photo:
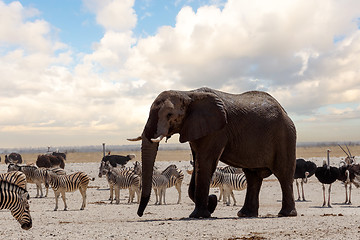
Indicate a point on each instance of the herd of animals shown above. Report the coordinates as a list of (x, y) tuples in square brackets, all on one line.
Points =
[(49, 170)]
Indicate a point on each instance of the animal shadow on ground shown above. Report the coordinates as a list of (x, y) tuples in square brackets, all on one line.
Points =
[(185, 219), (300, 201)]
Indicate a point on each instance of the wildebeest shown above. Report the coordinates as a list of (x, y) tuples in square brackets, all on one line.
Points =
[(117, 159)]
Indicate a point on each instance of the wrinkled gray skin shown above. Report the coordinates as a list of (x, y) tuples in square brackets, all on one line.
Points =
[(249, 130)]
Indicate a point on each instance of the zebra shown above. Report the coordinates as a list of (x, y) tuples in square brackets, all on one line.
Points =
[(103, 170), (227, 182), (161, 181), (123, 178), (230, 169), (33, 174), (233, 182), (173, 181), (217, 181), (58, 170), (177, 182), (15, 199), (67, 183), (16, 177)]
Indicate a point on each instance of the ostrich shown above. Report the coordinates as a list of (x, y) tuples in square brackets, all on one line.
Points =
[(13, 158), (327, 175), (304, 170)]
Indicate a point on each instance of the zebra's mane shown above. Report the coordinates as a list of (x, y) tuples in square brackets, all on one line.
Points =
[(170, 166), (7, 185)]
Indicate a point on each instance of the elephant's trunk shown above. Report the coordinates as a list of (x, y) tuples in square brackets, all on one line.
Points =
[(148, 155)]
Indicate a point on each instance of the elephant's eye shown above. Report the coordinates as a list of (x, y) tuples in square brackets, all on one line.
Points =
[(169, 115)]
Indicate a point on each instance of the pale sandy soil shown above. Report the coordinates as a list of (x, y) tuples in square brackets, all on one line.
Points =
[(102, 220)]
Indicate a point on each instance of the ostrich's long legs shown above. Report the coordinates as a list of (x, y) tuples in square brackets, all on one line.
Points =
[(324, 203), (302, 189), (329, 196), (297, 186)]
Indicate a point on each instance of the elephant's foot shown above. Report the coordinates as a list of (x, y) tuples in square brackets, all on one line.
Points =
[(247, 213), (287, 213), (212, 203), (200, 213)]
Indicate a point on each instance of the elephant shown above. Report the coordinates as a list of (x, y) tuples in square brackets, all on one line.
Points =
[(249, 130)]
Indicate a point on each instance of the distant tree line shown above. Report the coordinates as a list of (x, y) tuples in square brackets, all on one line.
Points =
[(117, 148)]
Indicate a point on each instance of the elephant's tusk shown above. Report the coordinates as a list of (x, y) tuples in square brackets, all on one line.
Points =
[(158, 139), (135, 139)]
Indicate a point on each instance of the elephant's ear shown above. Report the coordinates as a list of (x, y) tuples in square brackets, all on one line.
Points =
[(205, 115)]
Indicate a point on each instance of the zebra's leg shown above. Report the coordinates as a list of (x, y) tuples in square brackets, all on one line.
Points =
[(64, 199), (226, 195), (233, 197), (111, 192), (156, 195), (138, 193), (117, 194), (221, 190), (37, 191), (160, 192), (47, 191), (163, 195), (131, 195), (178, 188), (57, 194), (83, 194), (41, 192)]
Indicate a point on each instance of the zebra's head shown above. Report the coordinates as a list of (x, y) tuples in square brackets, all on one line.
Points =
[(49, 177), (25, 218), (171, 170), (137, 168), (102, 170), (13, 167)]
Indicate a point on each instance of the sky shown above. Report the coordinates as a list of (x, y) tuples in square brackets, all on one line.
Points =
[(76, 73)]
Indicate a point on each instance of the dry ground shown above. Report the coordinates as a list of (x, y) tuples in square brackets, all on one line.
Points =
[(184, 155), (102, 220)]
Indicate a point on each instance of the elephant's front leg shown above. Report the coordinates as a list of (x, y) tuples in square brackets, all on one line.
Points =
[(200, 185), (204, 204)]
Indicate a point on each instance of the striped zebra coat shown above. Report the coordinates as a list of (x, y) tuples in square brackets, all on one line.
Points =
[(227, 182), (173, 181), (161, 181), (33, 175), (68, 183), (233, 182), (103, 170), (16, 177), (15, 199), (123, 178)]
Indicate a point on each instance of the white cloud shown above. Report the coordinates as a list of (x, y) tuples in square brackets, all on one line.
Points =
[(115, 15), (304, 53)]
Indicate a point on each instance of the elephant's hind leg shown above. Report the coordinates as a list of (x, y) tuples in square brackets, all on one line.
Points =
[(288, 202), (254, 180)]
